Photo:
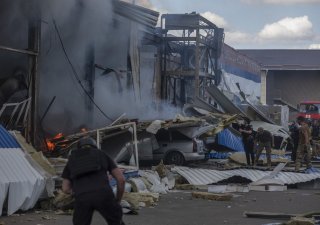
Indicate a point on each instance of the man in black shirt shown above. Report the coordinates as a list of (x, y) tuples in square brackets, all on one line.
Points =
[(86, 176), (247, 139), (264, 140)]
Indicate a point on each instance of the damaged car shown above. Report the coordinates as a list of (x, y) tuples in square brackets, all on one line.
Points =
[(172, 145)]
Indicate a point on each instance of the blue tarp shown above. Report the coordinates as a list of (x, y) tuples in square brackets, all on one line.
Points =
[(217, 155), (127, 175), (228, 139), (7, 140)]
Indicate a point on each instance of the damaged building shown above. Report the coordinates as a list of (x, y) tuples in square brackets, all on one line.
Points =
[(146, 86)]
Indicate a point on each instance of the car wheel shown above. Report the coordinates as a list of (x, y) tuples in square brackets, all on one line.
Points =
[(175, 158)]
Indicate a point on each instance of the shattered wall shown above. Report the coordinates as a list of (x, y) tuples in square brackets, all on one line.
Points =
[(238, 68), (83, 23), (80, 24)]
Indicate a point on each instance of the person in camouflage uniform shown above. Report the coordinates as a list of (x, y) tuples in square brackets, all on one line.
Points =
[(264, 139), (304, 150)]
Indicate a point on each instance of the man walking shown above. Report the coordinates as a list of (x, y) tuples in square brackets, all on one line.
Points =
[(86, 176), (264, 140), (303, 151)]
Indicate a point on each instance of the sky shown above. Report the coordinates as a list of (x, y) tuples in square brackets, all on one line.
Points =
[(255, 24)]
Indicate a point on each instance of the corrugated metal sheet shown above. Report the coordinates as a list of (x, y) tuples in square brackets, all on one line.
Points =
[(285, 59), (226, 104), (228, 139), (207, 176), (7, 140), (259, 113), (20, 183), (141, 15), (273, 129)]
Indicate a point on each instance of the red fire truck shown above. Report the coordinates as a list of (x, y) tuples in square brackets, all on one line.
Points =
[(309, 110)]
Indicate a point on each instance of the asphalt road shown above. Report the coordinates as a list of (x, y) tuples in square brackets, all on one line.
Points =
[(179, 208)]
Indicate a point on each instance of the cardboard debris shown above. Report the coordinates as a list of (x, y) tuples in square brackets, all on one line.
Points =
[(146, 182), (134, 199), (63, 201), (211, 196), (240, 158), (158, 185), (301, 221), (137, 185), (36, 155), (161, 170), (155, 126)]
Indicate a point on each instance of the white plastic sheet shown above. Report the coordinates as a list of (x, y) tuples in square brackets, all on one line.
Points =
[(19, 181)]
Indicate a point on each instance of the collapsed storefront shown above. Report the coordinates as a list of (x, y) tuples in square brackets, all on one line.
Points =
[(116, 65)]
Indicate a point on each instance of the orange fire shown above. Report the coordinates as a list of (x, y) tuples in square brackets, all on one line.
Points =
[(50, 145), (50, 142), (59, 135)]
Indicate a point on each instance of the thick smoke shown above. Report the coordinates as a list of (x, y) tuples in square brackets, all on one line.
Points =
[(82, 25)]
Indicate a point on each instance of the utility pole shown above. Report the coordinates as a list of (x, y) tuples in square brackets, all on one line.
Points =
[(34, 38)]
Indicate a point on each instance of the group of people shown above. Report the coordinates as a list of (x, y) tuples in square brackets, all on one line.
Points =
[(86, 175), (254, 143)]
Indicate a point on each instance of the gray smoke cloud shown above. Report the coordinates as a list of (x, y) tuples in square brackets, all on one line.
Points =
[(82, 24)]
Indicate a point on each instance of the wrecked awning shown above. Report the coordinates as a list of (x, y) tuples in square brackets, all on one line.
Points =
[(21, 185), (207, 176), (273, 129)]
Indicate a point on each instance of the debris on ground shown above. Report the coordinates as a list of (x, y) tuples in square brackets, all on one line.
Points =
[(211, 196), (301, 221)]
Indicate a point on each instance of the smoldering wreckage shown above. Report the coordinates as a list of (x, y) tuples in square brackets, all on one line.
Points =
[(195, 143)]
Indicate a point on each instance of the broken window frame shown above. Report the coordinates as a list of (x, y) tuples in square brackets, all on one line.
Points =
[(19, 109)]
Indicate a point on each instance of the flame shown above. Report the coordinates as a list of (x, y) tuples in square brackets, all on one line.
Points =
[(59, 135), (50, 142), (50, 145)]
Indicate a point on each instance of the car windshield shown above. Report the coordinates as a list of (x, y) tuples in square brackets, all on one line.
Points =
[(309, 108)]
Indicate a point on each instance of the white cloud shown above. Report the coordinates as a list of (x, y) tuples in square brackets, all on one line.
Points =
[(298, 28), (314, 46), (216, 19), (281, 2), (237, 37)]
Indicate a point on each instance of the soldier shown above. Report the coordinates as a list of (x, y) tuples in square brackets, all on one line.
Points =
[(247, 139), (304, 150), (264, 139), (85, 176), (294, 135)]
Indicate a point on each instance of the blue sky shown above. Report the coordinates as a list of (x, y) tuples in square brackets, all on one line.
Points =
[(263, 24)]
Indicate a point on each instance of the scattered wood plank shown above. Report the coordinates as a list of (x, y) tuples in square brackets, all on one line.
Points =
[(212, 196), (269, 215)]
